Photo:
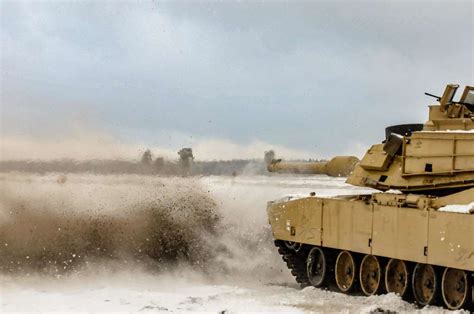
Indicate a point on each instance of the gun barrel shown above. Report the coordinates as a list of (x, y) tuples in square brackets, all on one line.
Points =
[(340, 166), (297, 167)]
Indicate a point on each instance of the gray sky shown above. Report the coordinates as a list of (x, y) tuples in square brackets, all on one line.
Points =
[(308, 78)]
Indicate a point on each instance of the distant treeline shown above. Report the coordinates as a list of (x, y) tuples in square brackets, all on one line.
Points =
[(158, 166)]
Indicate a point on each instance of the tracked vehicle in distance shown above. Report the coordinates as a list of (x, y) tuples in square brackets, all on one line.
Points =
[(414, 235)]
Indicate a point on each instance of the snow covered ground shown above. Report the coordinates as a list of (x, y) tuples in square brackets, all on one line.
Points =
[(144, 292), (240, 271)]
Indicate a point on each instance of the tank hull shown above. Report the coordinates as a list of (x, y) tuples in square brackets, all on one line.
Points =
[(377, 228)]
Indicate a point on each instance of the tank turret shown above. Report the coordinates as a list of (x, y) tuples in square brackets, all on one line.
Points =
[(435, 158)]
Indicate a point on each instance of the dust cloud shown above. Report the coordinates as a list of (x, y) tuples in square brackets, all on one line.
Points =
[(58, 225)]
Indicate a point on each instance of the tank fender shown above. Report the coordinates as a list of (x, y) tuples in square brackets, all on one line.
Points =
[(462, 198)]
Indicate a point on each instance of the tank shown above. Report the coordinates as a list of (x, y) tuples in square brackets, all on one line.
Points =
[(414, 235)]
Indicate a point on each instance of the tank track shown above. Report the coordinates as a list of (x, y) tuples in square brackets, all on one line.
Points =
[(296, 262)]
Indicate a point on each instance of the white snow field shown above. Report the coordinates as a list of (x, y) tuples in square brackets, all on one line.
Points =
[(88, 243)]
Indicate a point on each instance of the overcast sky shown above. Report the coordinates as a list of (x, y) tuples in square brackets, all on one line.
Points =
[(308, 78)]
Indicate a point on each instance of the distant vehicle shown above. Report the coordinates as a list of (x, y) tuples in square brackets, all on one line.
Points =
[(415, 237)]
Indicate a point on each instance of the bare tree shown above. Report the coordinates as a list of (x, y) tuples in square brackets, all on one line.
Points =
[(147, 158), (186, 159)]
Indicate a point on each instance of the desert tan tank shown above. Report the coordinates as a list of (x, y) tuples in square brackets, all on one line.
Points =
[(414, 235)]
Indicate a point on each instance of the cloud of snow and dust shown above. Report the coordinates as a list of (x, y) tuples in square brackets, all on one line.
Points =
[(250, 253), (63, 224), (55, 225)]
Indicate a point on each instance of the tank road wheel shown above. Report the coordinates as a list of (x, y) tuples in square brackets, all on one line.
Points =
[(317, 267), (456, 288), (425, 284), (397, 277), (346, 271), (370, 275), (298, 247), (295, 246)]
